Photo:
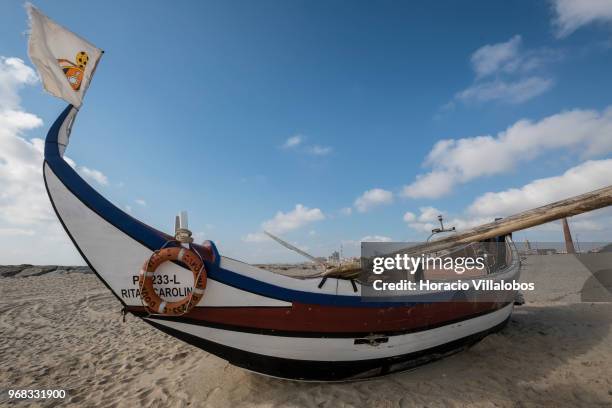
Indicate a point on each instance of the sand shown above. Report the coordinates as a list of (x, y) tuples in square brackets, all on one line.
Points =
[(64, 330)]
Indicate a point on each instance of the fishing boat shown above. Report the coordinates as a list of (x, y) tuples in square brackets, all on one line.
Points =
[(316, 329)]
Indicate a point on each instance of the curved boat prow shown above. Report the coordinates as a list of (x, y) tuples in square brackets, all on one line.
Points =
[(55, 145), (94, 225)]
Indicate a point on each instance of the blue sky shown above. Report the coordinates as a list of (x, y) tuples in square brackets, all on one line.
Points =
[(236, 111)]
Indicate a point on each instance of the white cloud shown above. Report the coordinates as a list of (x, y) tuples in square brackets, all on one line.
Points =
[(320, 150), (572, 14), (23, 199), (293, 141), (431, 185), (409, 217), (348, 243), (297, 143), (93, 175), (427, 220), (26, 217), (14, 74), (463, 223), (373, 198), (423, 226), (22, 196), (141, 202), (294, 219), (510, 58), (580, 179), (255, 237), (346, 211), (376, 238), (429, 214), (424, 221), (42, 244), (501, 71), (453, 161), (587, 225), (17, 121), (282, 222), (507, 91), (11, 232), (491, 58)]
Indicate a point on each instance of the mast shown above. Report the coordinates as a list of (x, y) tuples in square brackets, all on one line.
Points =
[(551, 212)]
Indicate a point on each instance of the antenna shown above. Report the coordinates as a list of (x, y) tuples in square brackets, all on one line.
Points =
[(441, 229), (183, 220), (181, 228)]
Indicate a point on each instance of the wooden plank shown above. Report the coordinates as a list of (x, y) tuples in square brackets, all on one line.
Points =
[(561, 209), (296, 249)]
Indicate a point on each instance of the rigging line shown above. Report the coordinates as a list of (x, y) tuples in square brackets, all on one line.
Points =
[(298, 250)]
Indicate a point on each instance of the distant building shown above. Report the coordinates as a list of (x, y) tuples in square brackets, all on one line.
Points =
[(334, 258), (545, 251)]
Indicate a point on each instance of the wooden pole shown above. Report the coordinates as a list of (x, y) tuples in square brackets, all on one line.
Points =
[(567, 235), (561, 209), (296, 249)]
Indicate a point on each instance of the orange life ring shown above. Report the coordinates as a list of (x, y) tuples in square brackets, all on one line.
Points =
[(156, 304)]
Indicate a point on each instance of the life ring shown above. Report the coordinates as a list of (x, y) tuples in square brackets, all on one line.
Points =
[(155, 303)]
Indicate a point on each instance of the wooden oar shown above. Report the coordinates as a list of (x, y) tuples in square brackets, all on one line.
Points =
[(298, 250), (561, 209)]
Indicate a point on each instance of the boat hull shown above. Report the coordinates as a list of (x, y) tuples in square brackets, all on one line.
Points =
[(261, 321)]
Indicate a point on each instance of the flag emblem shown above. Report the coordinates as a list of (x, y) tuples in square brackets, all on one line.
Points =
[(74, 71), (65, 61)]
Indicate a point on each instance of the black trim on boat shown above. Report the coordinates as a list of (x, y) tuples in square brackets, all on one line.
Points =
[(307, 370)]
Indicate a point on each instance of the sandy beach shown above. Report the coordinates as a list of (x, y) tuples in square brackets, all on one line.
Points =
[(65, 330), (431, 181)]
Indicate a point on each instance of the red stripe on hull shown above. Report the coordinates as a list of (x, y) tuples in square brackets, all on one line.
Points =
[(331, 319)]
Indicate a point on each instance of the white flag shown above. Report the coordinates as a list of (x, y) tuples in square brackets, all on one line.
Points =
[(65, 61)]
